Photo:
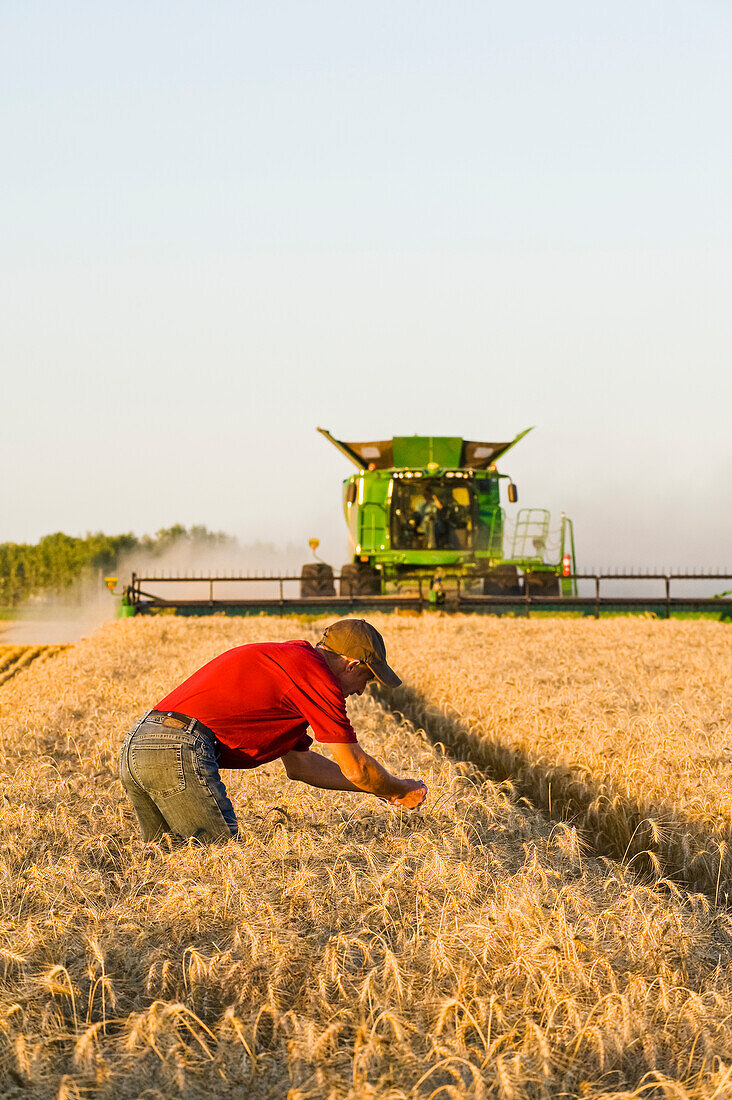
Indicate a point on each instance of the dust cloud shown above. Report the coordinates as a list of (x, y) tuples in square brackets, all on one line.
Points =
[(60, 620), (193, 565), (65, 619)]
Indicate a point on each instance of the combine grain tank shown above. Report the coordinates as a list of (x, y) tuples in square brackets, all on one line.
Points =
[(424, 513)]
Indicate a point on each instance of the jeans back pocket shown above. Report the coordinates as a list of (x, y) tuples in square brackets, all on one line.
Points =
[(158, 768)]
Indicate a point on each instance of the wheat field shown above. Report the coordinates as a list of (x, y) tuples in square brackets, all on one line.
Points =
[(623, 726), (478, 948)]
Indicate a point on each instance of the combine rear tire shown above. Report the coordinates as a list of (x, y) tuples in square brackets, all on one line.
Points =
[(542, 584), (502, 581), (316, 579), (359, 579)]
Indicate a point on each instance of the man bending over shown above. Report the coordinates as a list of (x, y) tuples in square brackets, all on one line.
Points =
[(251, 705)]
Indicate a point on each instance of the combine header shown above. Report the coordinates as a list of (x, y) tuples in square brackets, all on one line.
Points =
[(427, 527)]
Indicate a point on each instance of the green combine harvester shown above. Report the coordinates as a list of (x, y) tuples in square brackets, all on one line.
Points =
[(424, 515), (428, 528)]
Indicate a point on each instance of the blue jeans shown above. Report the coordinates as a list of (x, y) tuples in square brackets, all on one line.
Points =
[(172, 779)]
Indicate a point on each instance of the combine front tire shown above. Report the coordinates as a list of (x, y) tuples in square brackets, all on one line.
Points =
[(316, 579), (542, 584), (359, 579), (502, 581)]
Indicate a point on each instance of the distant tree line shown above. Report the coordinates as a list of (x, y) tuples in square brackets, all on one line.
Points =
[(58, 562)]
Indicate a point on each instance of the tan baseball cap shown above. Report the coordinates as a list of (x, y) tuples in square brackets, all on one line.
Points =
[(361, 641)]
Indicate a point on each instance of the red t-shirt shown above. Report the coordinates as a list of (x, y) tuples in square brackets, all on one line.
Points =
[(260, 699)]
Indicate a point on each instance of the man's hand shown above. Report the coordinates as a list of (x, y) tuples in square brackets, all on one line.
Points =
[(413, 798)]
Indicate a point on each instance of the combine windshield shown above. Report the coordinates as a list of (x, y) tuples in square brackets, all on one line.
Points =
[(432, 514)]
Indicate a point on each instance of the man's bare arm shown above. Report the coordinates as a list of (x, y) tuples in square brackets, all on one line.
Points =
[(318, 771), (367, 774), (353, 770)]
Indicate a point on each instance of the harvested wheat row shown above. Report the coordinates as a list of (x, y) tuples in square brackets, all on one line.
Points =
[(9, 654), (15, 658), (622, 726)]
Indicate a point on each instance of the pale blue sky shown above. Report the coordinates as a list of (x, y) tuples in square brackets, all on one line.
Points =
[(224, 224)]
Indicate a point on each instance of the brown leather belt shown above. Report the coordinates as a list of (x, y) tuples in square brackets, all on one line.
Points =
[(170, 718)]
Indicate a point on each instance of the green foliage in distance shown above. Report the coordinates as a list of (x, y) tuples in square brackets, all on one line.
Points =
[(58, 562)]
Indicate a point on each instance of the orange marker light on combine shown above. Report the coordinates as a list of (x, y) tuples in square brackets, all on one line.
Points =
[(313, 543), (566, 565), (111, 583)]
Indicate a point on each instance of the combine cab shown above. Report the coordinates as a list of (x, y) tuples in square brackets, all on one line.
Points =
[(424, 515)]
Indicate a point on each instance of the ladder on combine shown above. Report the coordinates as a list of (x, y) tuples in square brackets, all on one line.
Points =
[(531, 535)]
